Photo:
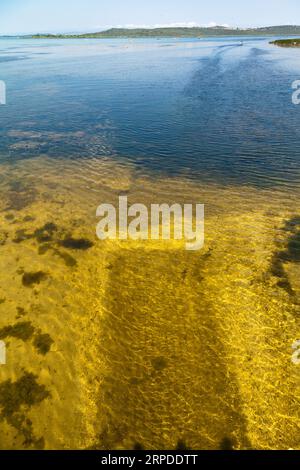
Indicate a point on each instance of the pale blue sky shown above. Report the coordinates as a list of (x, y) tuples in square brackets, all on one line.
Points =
[(21, 16)]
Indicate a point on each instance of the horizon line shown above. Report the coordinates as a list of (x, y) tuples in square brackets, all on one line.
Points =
[(147, 27)]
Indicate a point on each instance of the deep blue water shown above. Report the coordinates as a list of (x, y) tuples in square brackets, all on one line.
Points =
[(211, 110)]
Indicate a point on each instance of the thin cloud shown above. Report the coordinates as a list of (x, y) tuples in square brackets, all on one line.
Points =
[(183, 24)]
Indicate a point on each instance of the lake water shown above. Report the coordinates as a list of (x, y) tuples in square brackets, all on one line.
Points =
[(141, 344), (209, 109)]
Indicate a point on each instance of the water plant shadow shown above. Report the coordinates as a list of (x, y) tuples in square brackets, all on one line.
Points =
[(166, 378)]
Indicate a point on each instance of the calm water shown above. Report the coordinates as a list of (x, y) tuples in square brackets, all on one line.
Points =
[(142, 344), (207, 109)]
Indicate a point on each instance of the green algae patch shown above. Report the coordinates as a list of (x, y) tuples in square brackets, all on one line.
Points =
[(30, 279), (76, 243), (43, 342), (22, 330), (3, 238), (21, 312), (68, 259), (159, 363), (290, 253), (226, 444), (42, 234), (44, 248), (24, 392), (18, 397), (20, 196), (45, 233), (47, 237), (28, 218), (25, 331), (21, 236)]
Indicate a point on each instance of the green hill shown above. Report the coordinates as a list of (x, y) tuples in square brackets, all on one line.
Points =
[(178, 33)]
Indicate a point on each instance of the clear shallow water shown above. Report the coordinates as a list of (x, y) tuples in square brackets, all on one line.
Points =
[(210, 110)]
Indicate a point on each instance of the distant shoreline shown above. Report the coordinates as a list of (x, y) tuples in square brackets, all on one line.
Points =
[(196, 32)]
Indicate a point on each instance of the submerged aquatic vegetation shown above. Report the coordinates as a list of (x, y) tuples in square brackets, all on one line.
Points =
[(24, 426), (22, 235), (28, 218), (76, 243), (21, 312), (48, 238), (181, 445), (44, 248), (42, 234), (22, 331), (289, 254), (24, 392), (159, 363), (9, 217), (226, 444), (20, 195), (29, 279), (26, 331), (68, 259), (18, 397), (42, 343), (45, 233), (3, 237)]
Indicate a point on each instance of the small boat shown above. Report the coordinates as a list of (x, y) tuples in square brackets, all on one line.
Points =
[(241, 43)]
